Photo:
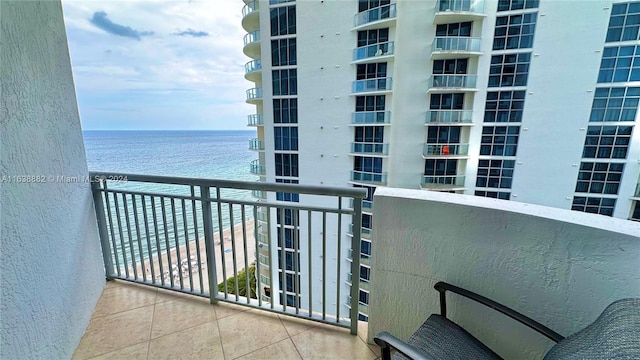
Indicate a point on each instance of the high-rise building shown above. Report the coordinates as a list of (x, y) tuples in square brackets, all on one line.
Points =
[(532, 101)]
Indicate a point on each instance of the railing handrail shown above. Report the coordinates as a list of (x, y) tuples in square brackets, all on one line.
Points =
[(235, 184)]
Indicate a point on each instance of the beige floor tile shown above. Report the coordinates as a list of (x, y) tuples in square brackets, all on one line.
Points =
[(113, 332), (294, 325), (169, 295), (248, 331), (180, 314), (283, 350), (118, 298), (321, 343), (198, 342), (225, 309), (135, 352)]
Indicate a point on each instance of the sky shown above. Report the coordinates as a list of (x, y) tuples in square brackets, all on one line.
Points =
[(158, 65)]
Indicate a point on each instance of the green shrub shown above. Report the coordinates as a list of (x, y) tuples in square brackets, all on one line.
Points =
[(242, 283)]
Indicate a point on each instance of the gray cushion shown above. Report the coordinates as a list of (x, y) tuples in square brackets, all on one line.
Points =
[(615, 335), (439, 338)]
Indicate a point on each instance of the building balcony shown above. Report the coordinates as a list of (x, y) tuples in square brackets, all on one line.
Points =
[(369, 177), (253, 70), (443, 182), (450, 11), (257, 169), (445, 150), (453, 117), (378, 118), (377, 85), (365, 233), (259, 194), (251, 16), (256, 145), (367, 206), (255, 120), (373, 53), (252, 44), (365, 148), (452, 83), (452, 47), (254, 95), (375, 18)]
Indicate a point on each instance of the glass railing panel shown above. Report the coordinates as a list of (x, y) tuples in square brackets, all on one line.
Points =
[(456, 44), (377, 84), (445, 149), (369, 51), (375, 14), (453, 180), (255, 119), (453, 81), (475, 6), (371, 117), (253, 65), (370, 148), (449, 116), (250, 8), (255, 93), (252, 37), (368, 176), (256, 144)]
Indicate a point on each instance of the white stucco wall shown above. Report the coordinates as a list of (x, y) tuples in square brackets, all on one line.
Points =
[(50, 261), (557, 266)]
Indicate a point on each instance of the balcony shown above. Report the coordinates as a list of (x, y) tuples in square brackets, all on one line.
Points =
[(255, 120), (377, 85), (360, 118), (252, 44), (373, 53), (251, 16), (256, 145), (254, 95), (445, 150), (450, 11), (257, 169), (259, 194), (375, 18), (369, 177), (452, 83), (367, 205), (452, 47), (365, 233), (366, 148), (443, 182), (453, 117), (253, 70)]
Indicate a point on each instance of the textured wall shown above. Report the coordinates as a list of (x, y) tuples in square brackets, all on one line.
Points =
[(50, 260), (559, 267)]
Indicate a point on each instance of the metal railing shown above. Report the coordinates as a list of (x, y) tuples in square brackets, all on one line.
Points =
[(453, 81), (369, 177), (253, 65), (369, 148), (196, 236), (449, 116), (445, 149), (474, 6), (255, 120), (254, 94), (252, 37), (455, 43), (444, 181), (250, 8), (256, 168), (377, 84), (375, 50), (371, 117), (256, 145), (375, 14)]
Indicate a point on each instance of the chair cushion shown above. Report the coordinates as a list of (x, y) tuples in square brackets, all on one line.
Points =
[(615, 335), (439, 338)]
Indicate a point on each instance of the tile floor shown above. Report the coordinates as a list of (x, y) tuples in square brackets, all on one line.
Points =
[(139, 322)]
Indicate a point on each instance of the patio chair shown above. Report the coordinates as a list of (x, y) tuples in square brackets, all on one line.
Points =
[(615, 334)]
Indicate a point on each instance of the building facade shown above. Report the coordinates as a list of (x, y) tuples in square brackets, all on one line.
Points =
[(532, 101)]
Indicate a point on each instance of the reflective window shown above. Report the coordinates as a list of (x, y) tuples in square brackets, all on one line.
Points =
[(607, 142), (371, 71), (509, 70), (368, 164), (282, 196), (285, 82), (624, 23), (594, 205), (506, 5), (285, 111), (364, 5), (455, 29), (499, 140), (443, 135), (495, 174), (620, 64), (514, 31), (370, 103), (440, 167), (599, 178), (285, 138), (371, 37), (283, 20), (283, 52), (286, 164), (494, 194), (504, 106), (615, 104), (450, 66)]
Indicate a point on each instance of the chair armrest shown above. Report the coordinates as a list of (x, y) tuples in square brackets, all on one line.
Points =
[(387, 341), (442, 287)]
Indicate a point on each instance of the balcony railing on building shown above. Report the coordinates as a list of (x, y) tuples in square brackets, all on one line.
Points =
[(255, 120), (371, 117), (449, 117), (385, 12), (453, 82), (372, 85), (458, 10), (367, 205), (254, 94), (369, 177), (190, 235), (256, 168), (252, 37), (369, 148), (252, 44), (443, 182), (252, 70), (259, 194), (365, 233), (455, 45), (256, 145), (250, 7), (250, 16), (373, 51), (438, 150), (364, 259)]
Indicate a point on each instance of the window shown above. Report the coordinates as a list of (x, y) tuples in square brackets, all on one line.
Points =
[(514, 31), (368, 164), (494, 194), (286, 138), (593, 205), (365, 247), (509, 70), (495, 173), (285, 82), (599, 178), (504, 106), (292, 300), (370, 103), (635, 214), (447, 101), (282, 196), (620, 64), (365, 273), (455, 29), (369, 134), (283, 20), (290, 262), (443, 135), (370, 191), (285, 111), (506, 5), (363, 297), (371, 37), (283, 52), (288, 237), (286, 164), (607, 142), (615, 104), (440, 167), (367, 221), (624, 22), (499, 140), (290, 217), (371, 71), (364, 5), (450, 66)]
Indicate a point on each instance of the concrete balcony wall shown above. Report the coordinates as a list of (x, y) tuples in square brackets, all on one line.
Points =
[(50, 259), (559, 267)]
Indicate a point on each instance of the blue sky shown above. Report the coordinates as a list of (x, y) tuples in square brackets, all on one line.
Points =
[(158, 64)]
